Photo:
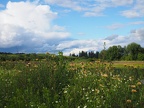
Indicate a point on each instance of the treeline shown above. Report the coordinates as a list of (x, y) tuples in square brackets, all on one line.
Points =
[(91, 54), (4, 56), (5, 53), (132, 51), (21, 56)]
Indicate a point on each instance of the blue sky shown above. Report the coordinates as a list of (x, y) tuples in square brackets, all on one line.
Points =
[(69, 26)]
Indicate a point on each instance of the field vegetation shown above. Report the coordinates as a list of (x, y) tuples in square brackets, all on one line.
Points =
[(56, 81)]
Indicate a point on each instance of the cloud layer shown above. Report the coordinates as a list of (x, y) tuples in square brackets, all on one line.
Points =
[(91, 8), (97, 7), (136, 11), (75, 46), (30, 25)]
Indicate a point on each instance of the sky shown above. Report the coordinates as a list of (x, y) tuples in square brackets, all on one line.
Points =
[(40, 26)]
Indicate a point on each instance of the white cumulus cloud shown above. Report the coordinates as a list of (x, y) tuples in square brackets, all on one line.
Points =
[(74, 46), (29, 24)]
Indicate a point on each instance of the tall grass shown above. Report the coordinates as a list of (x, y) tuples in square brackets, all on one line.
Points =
[(57, 83)]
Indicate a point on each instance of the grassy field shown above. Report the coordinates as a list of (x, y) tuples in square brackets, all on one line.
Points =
[(58, 83), (135, 64)]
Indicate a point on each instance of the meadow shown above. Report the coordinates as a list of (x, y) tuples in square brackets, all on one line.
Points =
[(57, 82)]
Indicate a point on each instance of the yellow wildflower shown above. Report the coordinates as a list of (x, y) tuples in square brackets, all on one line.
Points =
[(35, 66), (101, 85), (138, 83), (133, 91), (105, 75), (132, 86), (128, 101)]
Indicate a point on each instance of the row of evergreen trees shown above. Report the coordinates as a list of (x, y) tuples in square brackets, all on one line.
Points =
[(132, 51), (86, 54)]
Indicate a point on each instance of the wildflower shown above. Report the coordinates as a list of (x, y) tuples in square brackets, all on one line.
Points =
[(92, 90), (133, 91), (35, 66), (98, 61), (56, 101), (101, 85), (105, 75), (128, 101), (135, 67), (97, 91), (138, 83), (32, 105), (132, 86), (82, 66), (29, 63), (19, 71), (65, 91), (130, 78)]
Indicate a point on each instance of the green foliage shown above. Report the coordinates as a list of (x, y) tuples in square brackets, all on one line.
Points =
[(56, 82), (133, 49), (103, 55), (140, 56), (115, 53), (33, 83), (128, 58)]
